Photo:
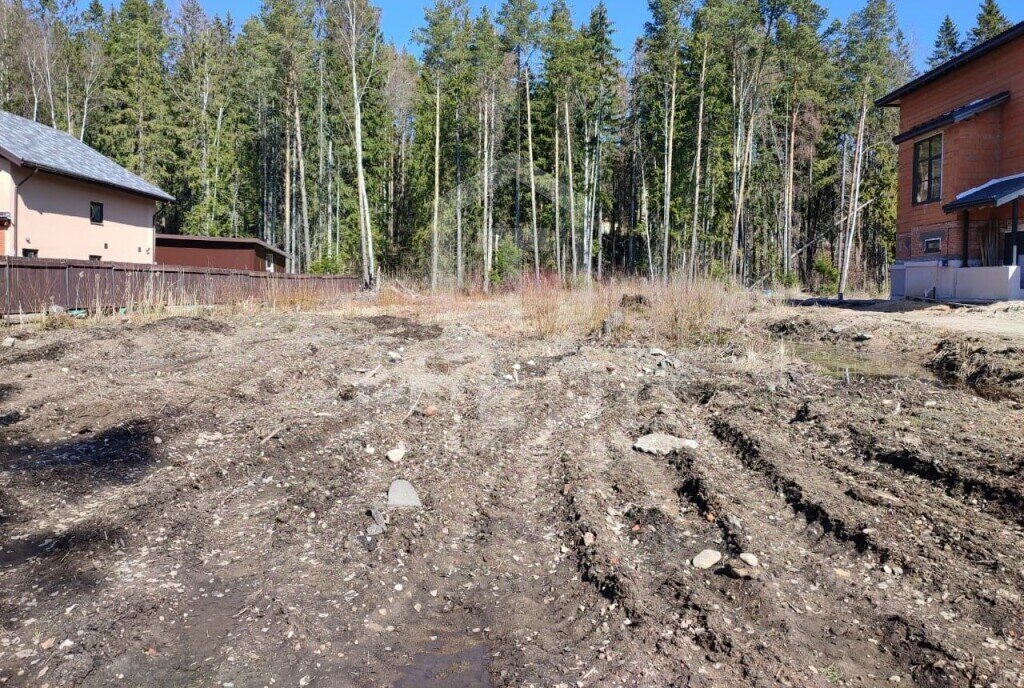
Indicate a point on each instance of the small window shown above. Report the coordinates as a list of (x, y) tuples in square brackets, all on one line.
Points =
[(96, 259), (30, 253), (928, 170), (96, 213), (933, 245)]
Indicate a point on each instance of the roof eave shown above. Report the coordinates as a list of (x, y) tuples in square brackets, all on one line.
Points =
[(4, 153), (960, 114), (894, 99), (962, 205)]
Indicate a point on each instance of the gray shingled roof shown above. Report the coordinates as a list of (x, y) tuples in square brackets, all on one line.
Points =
[(33, 145)]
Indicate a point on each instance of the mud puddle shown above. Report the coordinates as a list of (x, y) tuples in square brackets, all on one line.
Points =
[(442, 666), (842, 364)]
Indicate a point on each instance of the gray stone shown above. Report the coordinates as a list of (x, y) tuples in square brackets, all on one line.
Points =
[(402, 495), (397, 454), (9, 342), (394, 356), (661, 444), (375, 530), (750, 559), (707, 559), (378, 517), (863, 337)]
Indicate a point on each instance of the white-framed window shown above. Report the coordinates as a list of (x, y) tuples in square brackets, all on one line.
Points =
[(933, 245)]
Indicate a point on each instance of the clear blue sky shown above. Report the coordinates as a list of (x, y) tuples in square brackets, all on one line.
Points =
[(920, 18)]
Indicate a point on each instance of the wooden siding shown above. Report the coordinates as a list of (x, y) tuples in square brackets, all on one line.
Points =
[(227, 255), (988, 146)]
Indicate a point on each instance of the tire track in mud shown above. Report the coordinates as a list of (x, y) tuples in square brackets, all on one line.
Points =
[(998, 499), (914, 624), (754, 515), (502, 562), (737, 631)]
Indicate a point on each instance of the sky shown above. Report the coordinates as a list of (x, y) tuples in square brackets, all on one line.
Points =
[(920, 19)]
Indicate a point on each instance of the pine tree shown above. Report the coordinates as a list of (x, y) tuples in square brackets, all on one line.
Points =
[(947, 44), (135, 126), (990, 23)]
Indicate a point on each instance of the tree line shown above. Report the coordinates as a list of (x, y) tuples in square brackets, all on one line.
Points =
[(736, 138)]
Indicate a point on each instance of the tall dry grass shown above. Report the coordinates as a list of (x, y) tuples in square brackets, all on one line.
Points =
[(681, 312)]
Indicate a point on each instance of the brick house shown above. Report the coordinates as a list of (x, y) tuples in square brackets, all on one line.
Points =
[(961, 176)]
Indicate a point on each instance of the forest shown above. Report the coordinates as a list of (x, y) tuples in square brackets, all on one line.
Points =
[(737, 139)]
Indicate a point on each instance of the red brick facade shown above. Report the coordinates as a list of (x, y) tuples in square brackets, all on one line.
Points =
[(987, 146)]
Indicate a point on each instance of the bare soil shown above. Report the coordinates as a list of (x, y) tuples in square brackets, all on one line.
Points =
[(186, 503)]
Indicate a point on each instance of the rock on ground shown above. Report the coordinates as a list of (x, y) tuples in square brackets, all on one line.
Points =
[(661, 444), (707, 559), (402, 495)]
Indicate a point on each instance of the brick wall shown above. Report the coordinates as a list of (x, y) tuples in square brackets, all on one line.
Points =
[(985, 147)]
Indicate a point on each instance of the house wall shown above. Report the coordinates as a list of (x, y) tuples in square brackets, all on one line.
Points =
[(209, 254), (53, 218), (6, 206), (988, 146)]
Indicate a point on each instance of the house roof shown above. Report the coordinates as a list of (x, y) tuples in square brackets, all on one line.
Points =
[(960, 114), (893, 99), (191, 239), (996, 192), (37, 146)]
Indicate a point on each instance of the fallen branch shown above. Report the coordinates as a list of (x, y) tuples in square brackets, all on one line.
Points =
[(412, 409), (273, 434)]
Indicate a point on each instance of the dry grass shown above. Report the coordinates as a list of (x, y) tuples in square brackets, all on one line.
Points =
[(681, 313)]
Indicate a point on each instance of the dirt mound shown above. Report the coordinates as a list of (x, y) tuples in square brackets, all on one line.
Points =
[(404, 328), (189, 324), (995, 374), (47, 352)]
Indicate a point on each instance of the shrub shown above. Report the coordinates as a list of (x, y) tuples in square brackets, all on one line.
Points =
[(327, 265), (508, 261), (826, 276)]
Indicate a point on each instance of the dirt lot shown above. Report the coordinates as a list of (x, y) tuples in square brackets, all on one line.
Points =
[(186, 502)]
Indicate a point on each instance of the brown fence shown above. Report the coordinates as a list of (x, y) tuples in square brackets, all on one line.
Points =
[(30, 285)]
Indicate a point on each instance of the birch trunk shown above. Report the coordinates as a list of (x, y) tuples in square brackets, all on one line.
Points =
[(558, 209), (696, 167), (365, 223), (485, 154), (854, 198), (572, 192), (434, 238), (787, 235), (458, 200), (301, 157), (645, 210), (533, 177), (670, 135), (289, 249)]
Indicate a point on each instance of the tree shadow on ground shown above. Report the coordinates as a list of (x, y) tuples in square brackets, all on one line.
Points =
[(120, 455), (6, 391)]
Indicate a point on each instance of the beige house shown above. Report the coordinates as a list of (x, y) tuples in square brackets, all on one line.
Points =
[(59, 198)]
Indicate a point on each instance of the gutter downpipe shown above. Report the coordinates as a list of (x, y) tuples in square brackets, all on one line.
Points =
[(17, 191)]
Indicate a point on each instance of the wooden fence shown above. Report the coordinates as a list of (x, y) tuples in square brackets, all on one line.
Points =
[(29, 285)]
